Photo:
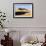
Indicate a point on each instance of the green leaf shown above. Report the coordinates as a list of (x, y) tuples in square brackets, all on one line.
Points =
[(3, 19), (1, 16), (0, 12), (4, 16), (0, 21)]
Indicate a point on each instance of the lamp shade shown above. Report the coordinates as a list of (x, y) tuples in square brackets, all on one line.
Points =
[(7, 30)]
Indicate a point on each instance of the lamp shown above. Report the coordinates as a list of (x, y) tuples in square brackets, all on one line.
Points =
[(7, 41), (7, 31)]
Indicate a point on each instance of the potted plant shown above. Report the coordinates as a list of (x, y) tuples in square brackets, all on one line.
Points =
[(2, 18)]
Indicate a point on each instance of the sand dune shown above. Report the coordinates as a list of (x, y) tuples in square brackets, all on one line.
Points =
[(29, 14)]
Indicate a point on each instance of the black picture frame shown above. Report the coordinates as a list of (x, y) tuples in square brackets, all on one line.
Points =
[(17, 16)]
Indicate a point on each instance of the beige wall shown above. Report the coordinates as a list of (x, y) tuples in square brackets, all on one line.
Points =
[(38, 23), (39, 9)]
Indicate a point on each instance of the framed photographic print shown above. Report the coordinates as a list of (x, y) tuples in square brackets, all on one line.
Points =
[(22, 10)]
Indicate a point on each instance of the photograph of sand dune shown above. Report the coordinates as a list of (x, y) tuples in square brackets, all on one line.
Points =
[(22, 9)]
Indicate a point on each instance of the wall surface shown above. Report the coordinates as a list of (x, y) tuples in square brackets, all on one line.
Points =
[(24, 25), (39, 13)]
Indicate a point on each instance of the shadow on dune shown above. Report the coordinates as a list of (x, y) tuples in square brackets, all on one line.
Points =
[(21, 11)]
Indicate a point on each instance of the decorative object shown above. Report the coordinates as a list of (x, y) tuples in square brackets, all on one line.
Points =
[(22, 10), (8, 41), (2, 18)]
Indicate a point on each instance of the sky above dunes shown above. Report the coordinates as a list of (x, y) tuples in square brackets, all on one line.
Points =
[(27, 6)]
